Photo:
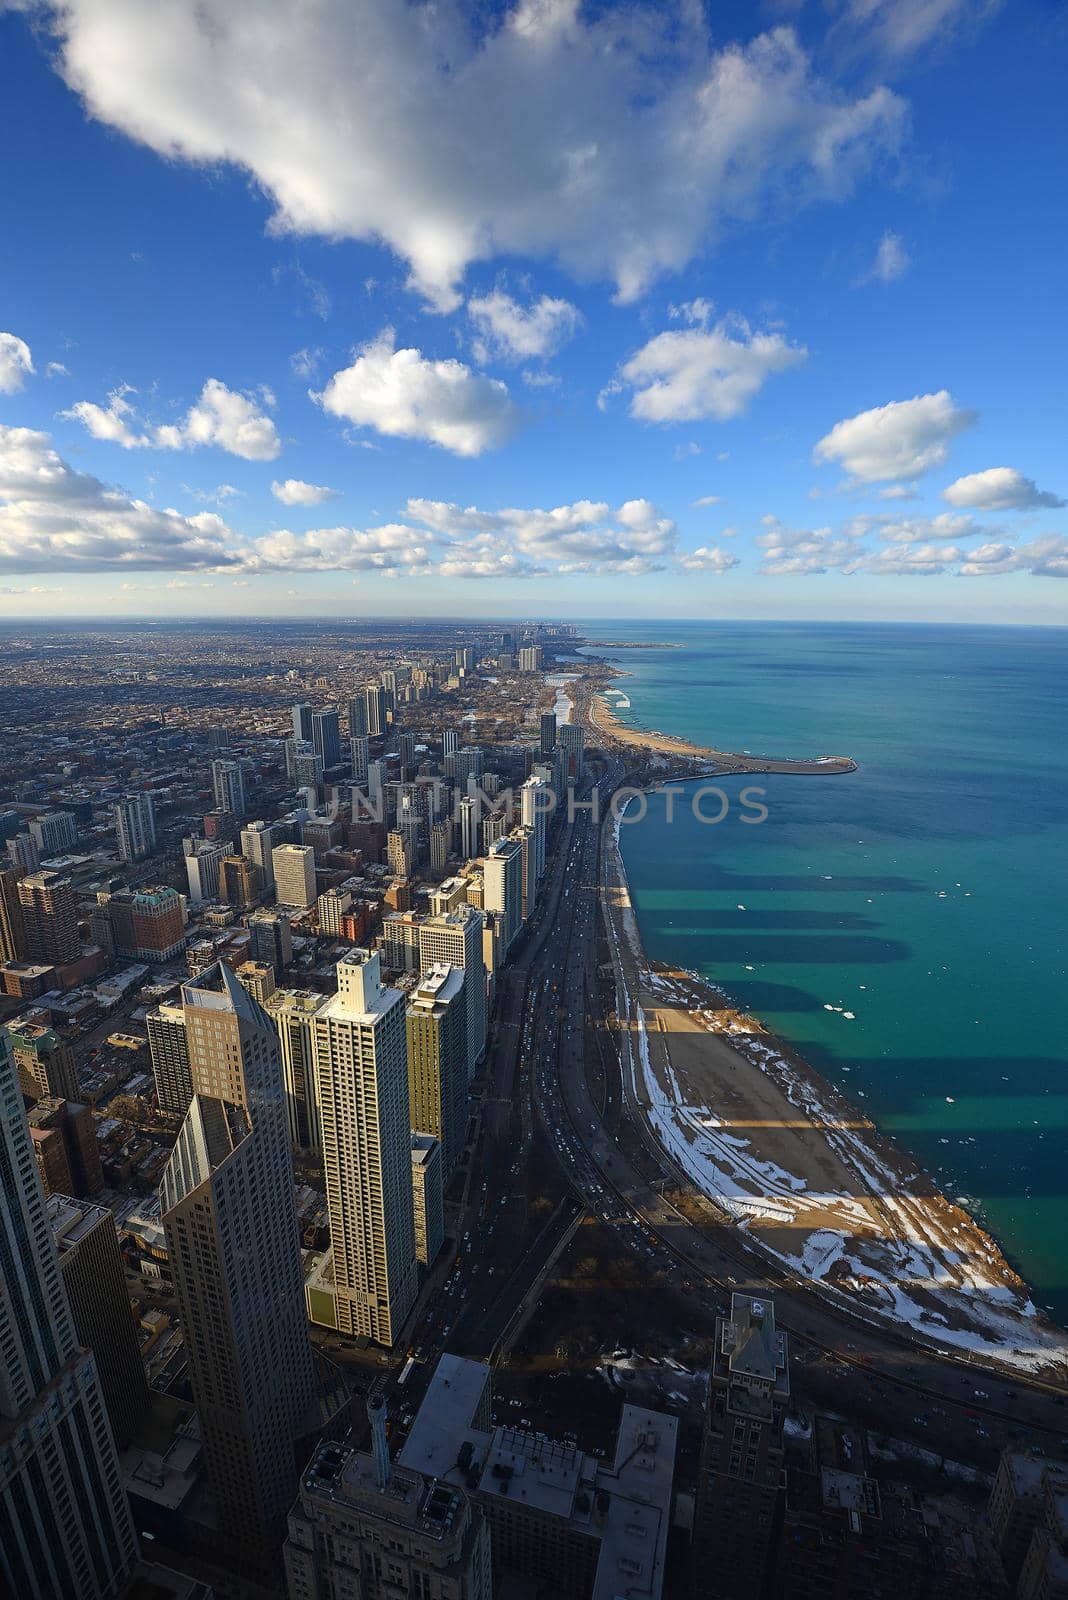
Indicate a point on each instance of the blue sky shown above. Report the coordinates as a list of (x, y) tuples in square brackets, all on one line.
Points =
[(533, 310)]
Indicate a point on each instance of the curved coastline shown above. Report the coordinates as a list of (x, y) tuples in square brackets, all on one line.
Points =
[(886, 1242)]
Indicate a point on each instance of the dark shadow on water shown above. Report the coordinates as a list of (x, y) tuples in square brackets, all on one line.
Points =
[(816, 951), (850, 920), (760, 998)]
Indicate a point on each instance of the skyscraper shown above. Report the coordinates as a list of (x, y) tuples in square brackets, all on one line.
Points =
[(455, 938), (535, 798), (65, 1527), (450, 742), (227, 1206), (547, 741), (237, 882), (361, 1073), (359, 751), (502, 871), (470, 826), (326, 736), (740, 1477), (44, 1062), (302, 722), (63, 1134), (374, 699), (12, 935), (257, 842), (202, 859), (169, 1050), (228, 786), (50, 918), (437, 1060), (54, 832), (271, 939), (294, 874), (571, 742), (427, 1197), (293, 1012), (357, 713), (23, 853), (135, 826), (95, 1281)]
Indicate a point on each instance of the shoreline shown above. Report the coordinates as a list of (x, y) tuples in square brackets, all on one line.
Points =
[(880, 1238), (751, 1125)]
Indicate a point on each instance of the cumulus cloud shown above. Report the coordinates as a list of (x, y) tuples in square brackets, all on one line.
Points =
[(16, 363), (222, 417), (392, 548), (688, 374), (402, 394), (899, 440), (891, 260), (708, 558), (295, 492), (617, 141), (586, 536), (708, 500), (1043, 558), (53, 518), (513, 332), (999, 489)]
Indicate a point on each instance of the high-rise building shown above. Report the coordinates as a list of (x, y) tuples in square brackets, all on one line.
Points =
[(326, 736), (257, 979), (400, 854), (400, 941), (293, 1012), (302, 723), (572, 1526), (12, 936), (237, 882), (271, 939), (228, 1213), (547, 740), (202, 860), (54, 832), (440, 845), (49, 918), (331, 906), (63, 1134), (530, 658), (228, 786), (470, 826), (95, 1281), (360, 755), (428, 1199), (437, 1060), (571, 743), (1029, 1520), (359, 1514), (406, 750), (65, 1527), (740, 1481), (374, 699), (44, 1062), (361, 1075), (502, 872), (258, 839), (23, 853), (147, 923), (168, 1048), (357, 715), (535, 801), (294, 874), (135, 826), (450, 742), (455, 939)]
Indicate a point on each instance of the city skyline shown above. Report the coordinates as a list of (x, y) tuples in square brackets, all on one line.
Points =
[(746, 352)]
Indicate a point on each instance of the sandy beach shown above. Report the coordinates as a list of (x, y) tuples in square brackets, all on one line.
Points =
[(750, 1125)]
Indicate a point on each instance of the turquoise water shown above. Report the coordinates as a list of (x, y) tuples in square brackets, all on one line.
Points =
[(924, 893)]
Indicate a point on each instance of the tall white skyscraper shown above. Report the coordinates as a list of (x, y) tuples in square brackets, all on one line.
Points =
[(534, 800), (202, 860), (65, 1526), (470, 826), (228, 1212), (135, 826), (257, 842), (294, 874), (361, 1072), (455, 939), (502, 872), (302, 722), (228, 784)]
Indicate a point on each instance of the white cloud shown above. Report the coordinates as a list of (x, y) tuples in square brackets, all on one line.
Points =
[(392, 548), (614, 140), (918, 530), (891, 260), (56, 369), (225, 418), (305, 363), (111, 422), (708, 558), (695, 373), (586, 536), (708, 500), (513, 332), (999, 489), (899, 440), (16, 363), (905, 26), (1043, 558), (790, 553), (55, 519), (897, 491), (401, 393), (222, 417), (295, 492)]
